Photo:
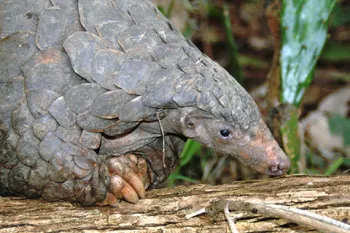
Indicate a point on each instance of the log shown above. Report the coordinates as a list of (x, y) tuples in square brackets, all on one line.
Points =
[(164, 210)]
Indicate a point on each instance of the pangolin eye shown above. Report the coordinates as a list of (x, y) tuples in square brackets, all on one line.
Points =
[(225, 133), (190, 124)]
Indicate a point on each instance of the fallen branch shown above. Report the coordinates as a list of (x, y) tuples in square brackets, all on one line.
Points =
[(166, 209)]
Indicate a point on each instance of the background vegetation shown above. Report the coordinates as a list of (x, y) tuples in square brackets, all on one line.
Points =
[(293, 57)]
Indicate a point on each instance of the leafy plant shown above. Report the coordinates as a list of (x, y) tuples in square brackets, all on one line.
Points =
[(304, 25), (304, 32), (191, 149)]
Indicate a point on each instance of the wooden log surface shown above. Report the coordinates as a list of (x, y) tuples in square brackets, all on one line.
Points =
[(164, 210)]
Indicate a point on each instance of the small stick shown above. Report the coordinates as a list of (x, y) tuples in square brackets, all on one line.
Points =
[(230, 220), (299, 216), (337, 226), (198, 212), (162, 131), (303, 217)]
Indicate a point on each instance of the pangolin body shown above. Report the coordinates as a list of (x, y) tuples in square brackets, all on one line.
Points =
[(83, 82)]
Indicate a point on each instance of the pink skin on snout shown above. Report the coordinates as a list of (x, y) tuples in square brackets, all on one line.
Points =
[(263, 153)]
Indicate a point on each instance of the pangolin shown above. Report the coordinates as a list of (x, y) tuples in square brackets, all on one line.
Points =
[(97, 98)]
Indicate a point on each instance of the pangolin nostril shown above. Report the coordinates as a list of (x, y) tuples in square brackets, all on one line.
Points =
[(279, 168), (274, 168)]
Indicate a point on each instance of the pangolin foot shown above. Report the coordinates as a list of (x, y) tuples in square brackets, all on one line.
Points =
[(127, 178)]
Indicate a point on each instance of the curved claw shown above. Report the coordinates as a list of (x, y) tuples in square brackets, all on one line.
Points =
[(128, 179), (110, 200)]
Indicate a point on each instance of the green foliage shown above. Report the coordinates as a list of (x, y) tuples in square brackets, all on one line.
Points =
[(194, 157), (190, 28), (341, 126), (319, 165), (347, 162), (304, 32), (252, 62), (176, 176), (336, 52), (234, 66), (191, 148), (304, 25), (340, 16), (334, 166), (291, 141), (315, 163), (167, 12)]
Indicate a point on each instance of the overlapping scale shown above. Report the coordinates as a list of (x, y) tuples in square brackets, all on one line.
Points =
[(81, 48)]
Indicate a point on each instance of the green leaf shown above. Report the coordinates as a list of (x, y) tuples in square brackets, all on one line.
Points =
[(176, 176), (190, 149), (334, 166), (304, 32)]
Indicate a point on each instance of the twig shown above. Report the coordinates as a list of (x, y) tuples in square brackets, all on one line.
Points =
[(303, 217), (198, 212), (163, 138), (230, 220), (299, 216), (334, 224)]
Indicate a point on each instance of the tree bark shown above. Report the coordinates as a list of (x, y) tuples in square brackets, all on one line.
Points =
[(164, 210)]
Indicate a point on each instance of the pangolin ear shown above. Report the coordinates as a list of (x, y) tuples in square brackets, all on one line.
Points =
[(192, 120)]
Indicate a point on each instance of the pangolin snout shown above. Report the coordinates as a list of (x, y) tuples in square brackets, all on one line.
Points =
[(265, 157), (263, 153), (277, 161)]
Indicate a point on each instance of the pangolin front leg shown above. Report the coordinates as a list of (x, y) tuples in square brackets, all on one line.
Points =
[(128, 176)]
